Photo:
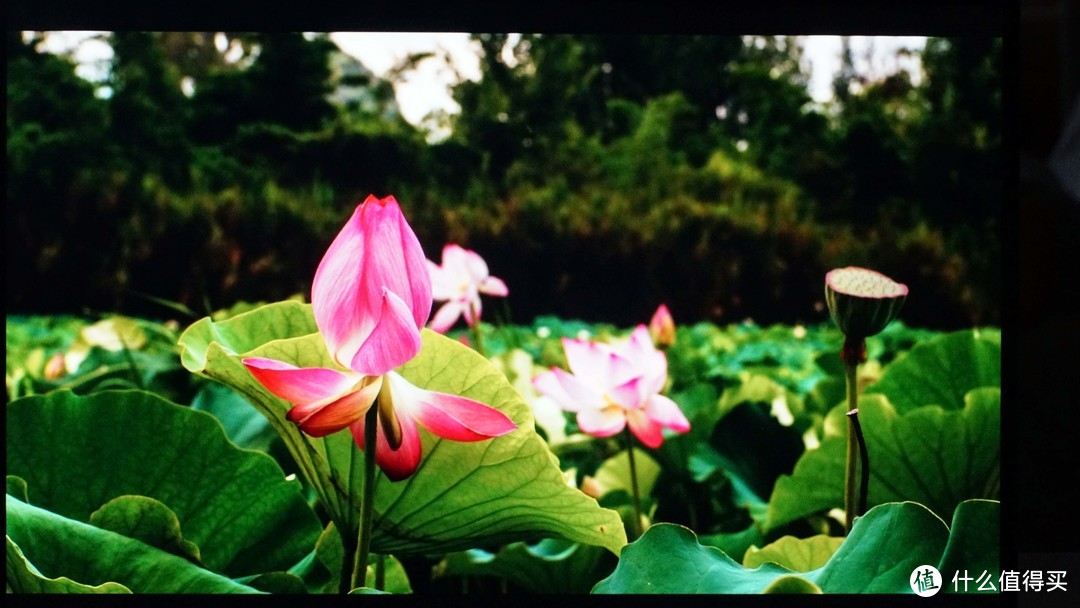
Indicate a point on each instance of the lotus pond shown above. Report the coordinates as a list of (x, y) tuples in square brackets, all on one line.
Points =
[(143, 457)]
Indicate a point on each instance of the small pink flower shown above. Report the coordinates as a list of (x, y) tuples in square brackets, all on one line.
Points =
[(371, 295), (459, 282), (610, 387), (662, 327)]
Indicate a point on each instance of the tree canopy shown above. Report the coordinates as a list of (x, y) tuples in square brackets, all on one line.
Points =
[(602, 172)]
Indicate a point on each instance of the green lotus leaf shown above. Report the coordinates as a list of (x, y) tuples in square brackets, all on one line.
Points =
[(78, 453), (884, 547), (735, 544), (111, 562), (23, 577), (462, 495), (941, 370), (934, 456), (16, 486), (792, 584), (243, 424), (974, 543), (275, 582), (148, 520), (553, 565), (795, 554)]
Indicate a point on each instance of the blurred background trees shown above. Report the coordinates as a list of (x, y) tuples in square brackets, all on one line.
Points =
[(598, 174)]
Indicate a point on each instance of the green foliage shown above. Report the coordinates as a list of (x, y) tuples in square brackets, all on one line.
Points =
[(47, 353), (742, 386), (234, 505), (941, 371), (795, 554), (879, 555), (937, 457), (550, 566), (57, 544)]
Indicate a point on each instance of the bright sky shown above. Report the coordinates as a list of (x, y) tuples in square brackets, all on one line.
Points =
[(428, 87)]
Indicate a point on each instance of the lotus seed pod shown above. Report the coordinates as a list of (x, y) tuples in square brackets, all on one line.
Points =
[(862, 302)]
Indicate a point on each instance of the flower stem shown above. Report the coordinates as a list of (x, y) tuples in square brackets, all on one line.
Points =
[(851, 366), (347, 561), (367, 507), (478, 336), (864, 462), (636, 529), (380, 573)]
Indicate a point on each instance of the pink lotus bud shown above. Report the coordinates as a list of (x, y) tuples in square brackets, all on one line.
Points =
[(662, 327), (54, 368)]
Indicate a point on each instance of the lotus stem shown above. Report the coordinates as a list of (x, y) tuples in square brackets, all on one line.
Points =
[(851, 356), (367, 506), (380, 572), (478, 336), (636, 528), (864, 462)]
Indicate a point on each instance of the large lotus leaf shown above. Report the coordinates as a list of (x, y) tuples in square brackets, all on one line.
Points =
[(553, 565), (941, 371), (61, 547), (245, 427), (23, 577), (973, 544), (934, 456), (78, 453), (884, 547), (462, 495)]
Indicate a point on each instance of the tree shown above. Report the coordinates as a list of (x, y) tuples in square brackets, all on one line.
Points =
[(148, 109), (959, 165), (286, 84), (59, 160)]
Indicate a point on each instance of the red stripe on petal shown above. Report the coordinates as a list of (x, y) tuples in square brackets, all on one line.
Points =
[(460, 418), (299, 385), (337, 415)]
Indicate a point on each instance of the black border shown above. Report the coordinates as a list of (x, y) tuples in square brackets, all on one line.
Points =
[(909, 17)]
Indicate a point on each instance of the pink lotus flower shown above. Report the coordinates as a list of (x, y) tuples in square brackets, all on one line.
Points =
[(371, 295), (610, 387), (460, 280), (662, 327)]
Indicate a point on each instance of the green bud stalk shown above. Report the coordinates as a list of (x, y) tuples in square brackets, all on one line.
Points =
[(861, 302)]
